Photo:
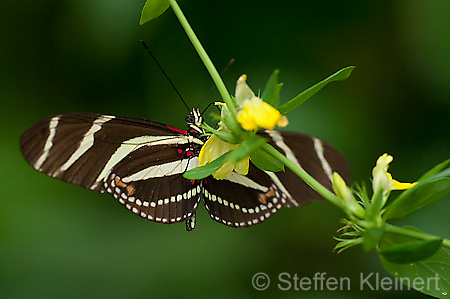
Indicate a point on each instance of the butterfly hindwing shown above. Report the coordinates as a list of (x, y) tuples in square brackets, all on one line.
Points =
[(149, 182), (240, 201), (167, 200)]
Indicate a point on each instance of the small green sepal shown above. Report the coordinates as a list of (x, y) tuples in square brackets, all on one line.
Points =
[(222, 135)]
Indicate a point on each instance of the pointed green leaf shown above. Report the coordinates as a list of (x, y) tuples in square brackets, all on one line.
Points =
[(410, 252), (417, 197), (271, 93), (153, 9), (433, 171), (340, 75), (430, 276), (206, 170), (247, 147), (265, 161)]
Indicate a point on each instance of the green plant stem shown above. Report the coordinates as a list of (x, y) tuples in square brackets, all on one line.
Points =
[(414, 234), (203, 55)]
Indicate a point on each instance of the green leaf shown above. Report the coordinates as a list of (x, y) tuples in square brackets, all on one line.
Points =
[(372, 236), (430, 276), (433, 171), (340, 75), (247, 147), (265, 161), (271, 94), (153, 9), (417, 197), (207, 169), (412, 251)]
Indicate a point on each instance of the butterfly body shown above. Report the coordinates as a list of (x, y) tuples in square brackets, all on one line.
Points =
[(141, 163)]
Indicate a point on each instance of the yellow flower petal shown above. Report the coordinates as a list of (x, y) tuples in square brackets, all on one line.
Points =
[(340, 187), (396, 185), (246, 120), (223, 171), (242, 166), (213, 149), (243, 91), (283, 122)]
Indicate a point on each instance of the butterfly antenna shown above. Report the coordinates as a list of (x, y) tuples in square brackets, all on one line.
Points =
[(165, 75), (209, 105), (212, 87)]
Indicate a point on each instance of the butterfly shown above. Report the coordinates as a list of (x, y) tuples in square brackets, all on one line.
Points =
[(141, 163)]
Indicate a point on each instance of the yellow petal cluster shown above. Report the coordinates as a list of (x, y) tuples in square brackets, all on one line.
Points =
[(253, 113), (256, 113), (213, 149)]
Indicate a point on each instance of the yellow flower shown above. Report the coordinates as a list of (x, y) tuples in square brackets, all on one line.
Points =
[(351, 205), (383, 179), (340, 188), (213, 149), (254, 112)]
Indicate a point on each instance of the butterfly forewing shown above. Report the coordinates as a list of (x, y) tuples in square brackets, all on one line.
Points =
[(140, 162)]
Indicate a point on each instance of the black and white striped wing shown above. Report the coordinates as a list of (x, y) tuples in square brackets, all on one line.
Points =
[(139, 162), (241, 201), (316, 157)]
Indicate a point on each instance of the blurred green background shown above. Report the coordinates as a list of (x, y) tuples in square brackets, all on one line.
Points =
[(59, 240)]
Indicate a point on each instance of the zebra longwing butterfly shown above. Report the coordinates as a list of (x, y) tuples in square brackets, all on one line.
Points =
[(141, 163)]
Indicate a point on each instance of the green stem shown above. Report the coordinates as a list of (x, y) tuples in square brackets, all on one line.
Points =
[(413, 234), (203, 56)]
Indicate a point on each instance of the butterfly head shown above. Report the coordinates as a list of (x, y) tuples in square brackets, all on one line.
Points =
[(194, 120)]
